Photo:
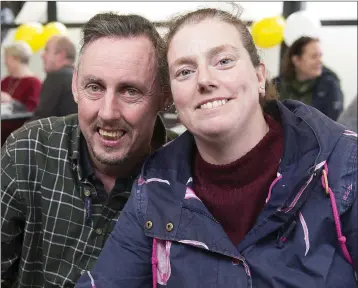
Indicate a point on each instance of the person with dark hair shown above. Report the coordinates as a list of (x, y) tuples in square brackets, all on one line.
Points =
[(56, 98), (65, 180), (304, 78), (244, 198)]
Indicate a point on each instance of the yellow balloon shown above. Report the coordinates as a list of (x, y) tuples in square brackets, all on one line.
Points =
[(52, 29), (31, 34), (268, 32)]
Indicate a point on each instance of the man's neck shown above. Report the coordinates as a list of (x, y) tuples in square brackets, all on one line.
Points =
[(236, 146), (109, 173), (63, 64)]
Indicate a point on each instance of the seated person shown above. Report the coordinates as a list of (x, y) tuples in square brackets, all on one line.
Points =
[(56, 98), (306, 79), (21, 85), (245, 197)]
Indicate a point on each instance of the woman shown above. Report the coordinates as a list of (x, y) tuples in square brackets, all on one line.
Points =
[(244, 198), (21, 85), (304, 78)]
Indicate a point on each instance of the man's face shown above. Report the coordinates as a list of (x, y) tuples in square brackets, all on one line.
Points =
[(118, 97), (50, 56)]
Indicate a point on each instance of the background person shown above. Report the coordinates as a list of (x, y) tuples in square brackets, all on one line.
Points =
[(305, 78), (56, 98), (21, 84)]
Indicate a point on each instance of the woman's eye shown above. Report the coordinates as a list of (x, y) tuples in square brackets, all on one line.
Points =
[(184, 73), (225, 61)]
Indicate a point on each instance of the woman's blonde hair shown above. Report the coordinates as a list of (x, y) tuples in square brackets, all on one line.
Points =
[(20, 50)]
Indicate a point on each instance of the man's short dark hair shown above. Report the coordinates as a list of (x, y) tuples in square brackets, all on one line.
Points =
[(112, 25)]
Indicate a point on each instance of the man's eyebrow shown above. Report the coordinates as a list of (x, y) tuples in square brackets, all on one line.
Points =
[(91, 78)]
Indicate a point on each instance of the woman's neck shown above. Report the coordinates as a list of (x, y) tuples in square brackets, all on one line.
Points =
[(301, 77), (224, 151), (22, 71)]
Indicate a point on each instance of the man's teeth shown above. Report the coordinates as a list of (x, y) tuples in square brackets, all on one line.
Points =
[(111, 134), (213, 104)]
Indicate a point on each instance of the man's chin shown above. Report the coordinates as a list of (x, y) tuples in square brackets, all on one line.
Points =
[(109, 157)]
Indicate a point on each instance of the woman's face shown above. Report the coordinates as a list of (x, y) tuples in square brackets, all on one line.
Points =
[(11, 63), (309, 64), (214, 84)]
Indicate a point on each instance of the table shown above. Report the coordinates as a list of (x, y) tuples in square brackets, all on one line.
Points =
[(11, 122), (17, 116)]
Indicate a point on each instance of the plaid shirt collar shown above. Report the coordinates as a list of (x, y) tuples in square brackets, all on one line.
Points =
[(79, 154), (42, 181)]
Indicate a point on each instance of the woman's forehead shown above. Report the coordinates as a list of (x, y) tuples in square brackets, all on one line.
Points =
[(204, 36)]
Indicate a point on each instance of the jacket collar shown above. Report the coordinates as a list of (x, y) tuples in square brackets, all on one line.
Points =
[(304, 127), (309, 138)]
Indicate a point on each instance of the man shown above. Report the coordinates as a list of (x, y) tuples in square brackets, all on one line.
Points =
[(56, 97), (65, 180)]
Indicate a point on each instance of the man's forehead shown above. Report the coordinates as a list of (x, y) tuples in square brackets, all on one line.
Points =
[(131, 49), (52, 41), (120, 54)]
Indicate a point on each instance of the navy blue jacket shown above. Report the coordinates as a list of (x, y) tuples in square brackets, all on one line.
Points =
[(327, 96), (166, 237)]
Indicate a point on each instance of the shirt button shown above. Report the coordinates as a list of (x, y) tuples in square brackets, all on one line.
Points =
[(87, 192), (99, 231), (169, 227)]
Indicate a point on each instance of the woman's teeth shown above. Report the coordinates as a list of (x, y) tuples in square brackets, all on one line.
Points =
[(111, 135), (213, 104)]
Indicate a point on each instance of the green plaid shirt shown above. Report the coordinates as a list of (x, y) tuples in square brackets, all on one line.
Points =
[(49, 233)]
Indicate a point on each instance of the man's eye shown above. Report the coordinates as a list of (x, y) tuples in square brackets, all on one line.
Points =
[(94, 88), (132, 91)]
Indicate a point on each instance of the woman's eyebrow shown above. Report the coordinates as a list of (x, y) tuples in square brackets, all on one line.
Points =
[(218, 49)]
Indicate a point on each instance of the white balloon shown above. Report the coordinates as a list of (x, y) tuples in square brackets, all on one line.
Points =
[(300, 24)]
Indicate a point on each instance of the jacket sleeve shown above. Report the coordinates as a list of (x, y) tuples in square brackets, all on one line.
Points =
[(350, 219), (334, 100), (125, 260), (352, 236), (12, 218)]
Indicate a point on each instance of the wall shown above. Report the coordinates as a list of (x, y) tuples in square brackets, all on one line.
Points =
[(339, 43)]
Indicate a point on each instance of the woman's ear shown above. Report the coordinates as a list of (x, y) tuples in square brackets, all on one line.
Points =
[(261, 77), (167, 104), (295, 60)]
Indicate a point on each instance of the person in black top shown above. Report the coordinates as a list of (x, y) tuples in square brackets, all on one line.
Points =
[(56, 98)]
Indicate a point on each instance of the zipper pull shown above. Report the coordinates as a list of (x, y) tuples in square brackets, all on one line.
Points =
[(282, 240)]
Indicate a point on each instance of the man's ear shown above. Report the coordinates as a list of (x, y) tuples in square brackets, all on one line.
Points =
[(74, 85)]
